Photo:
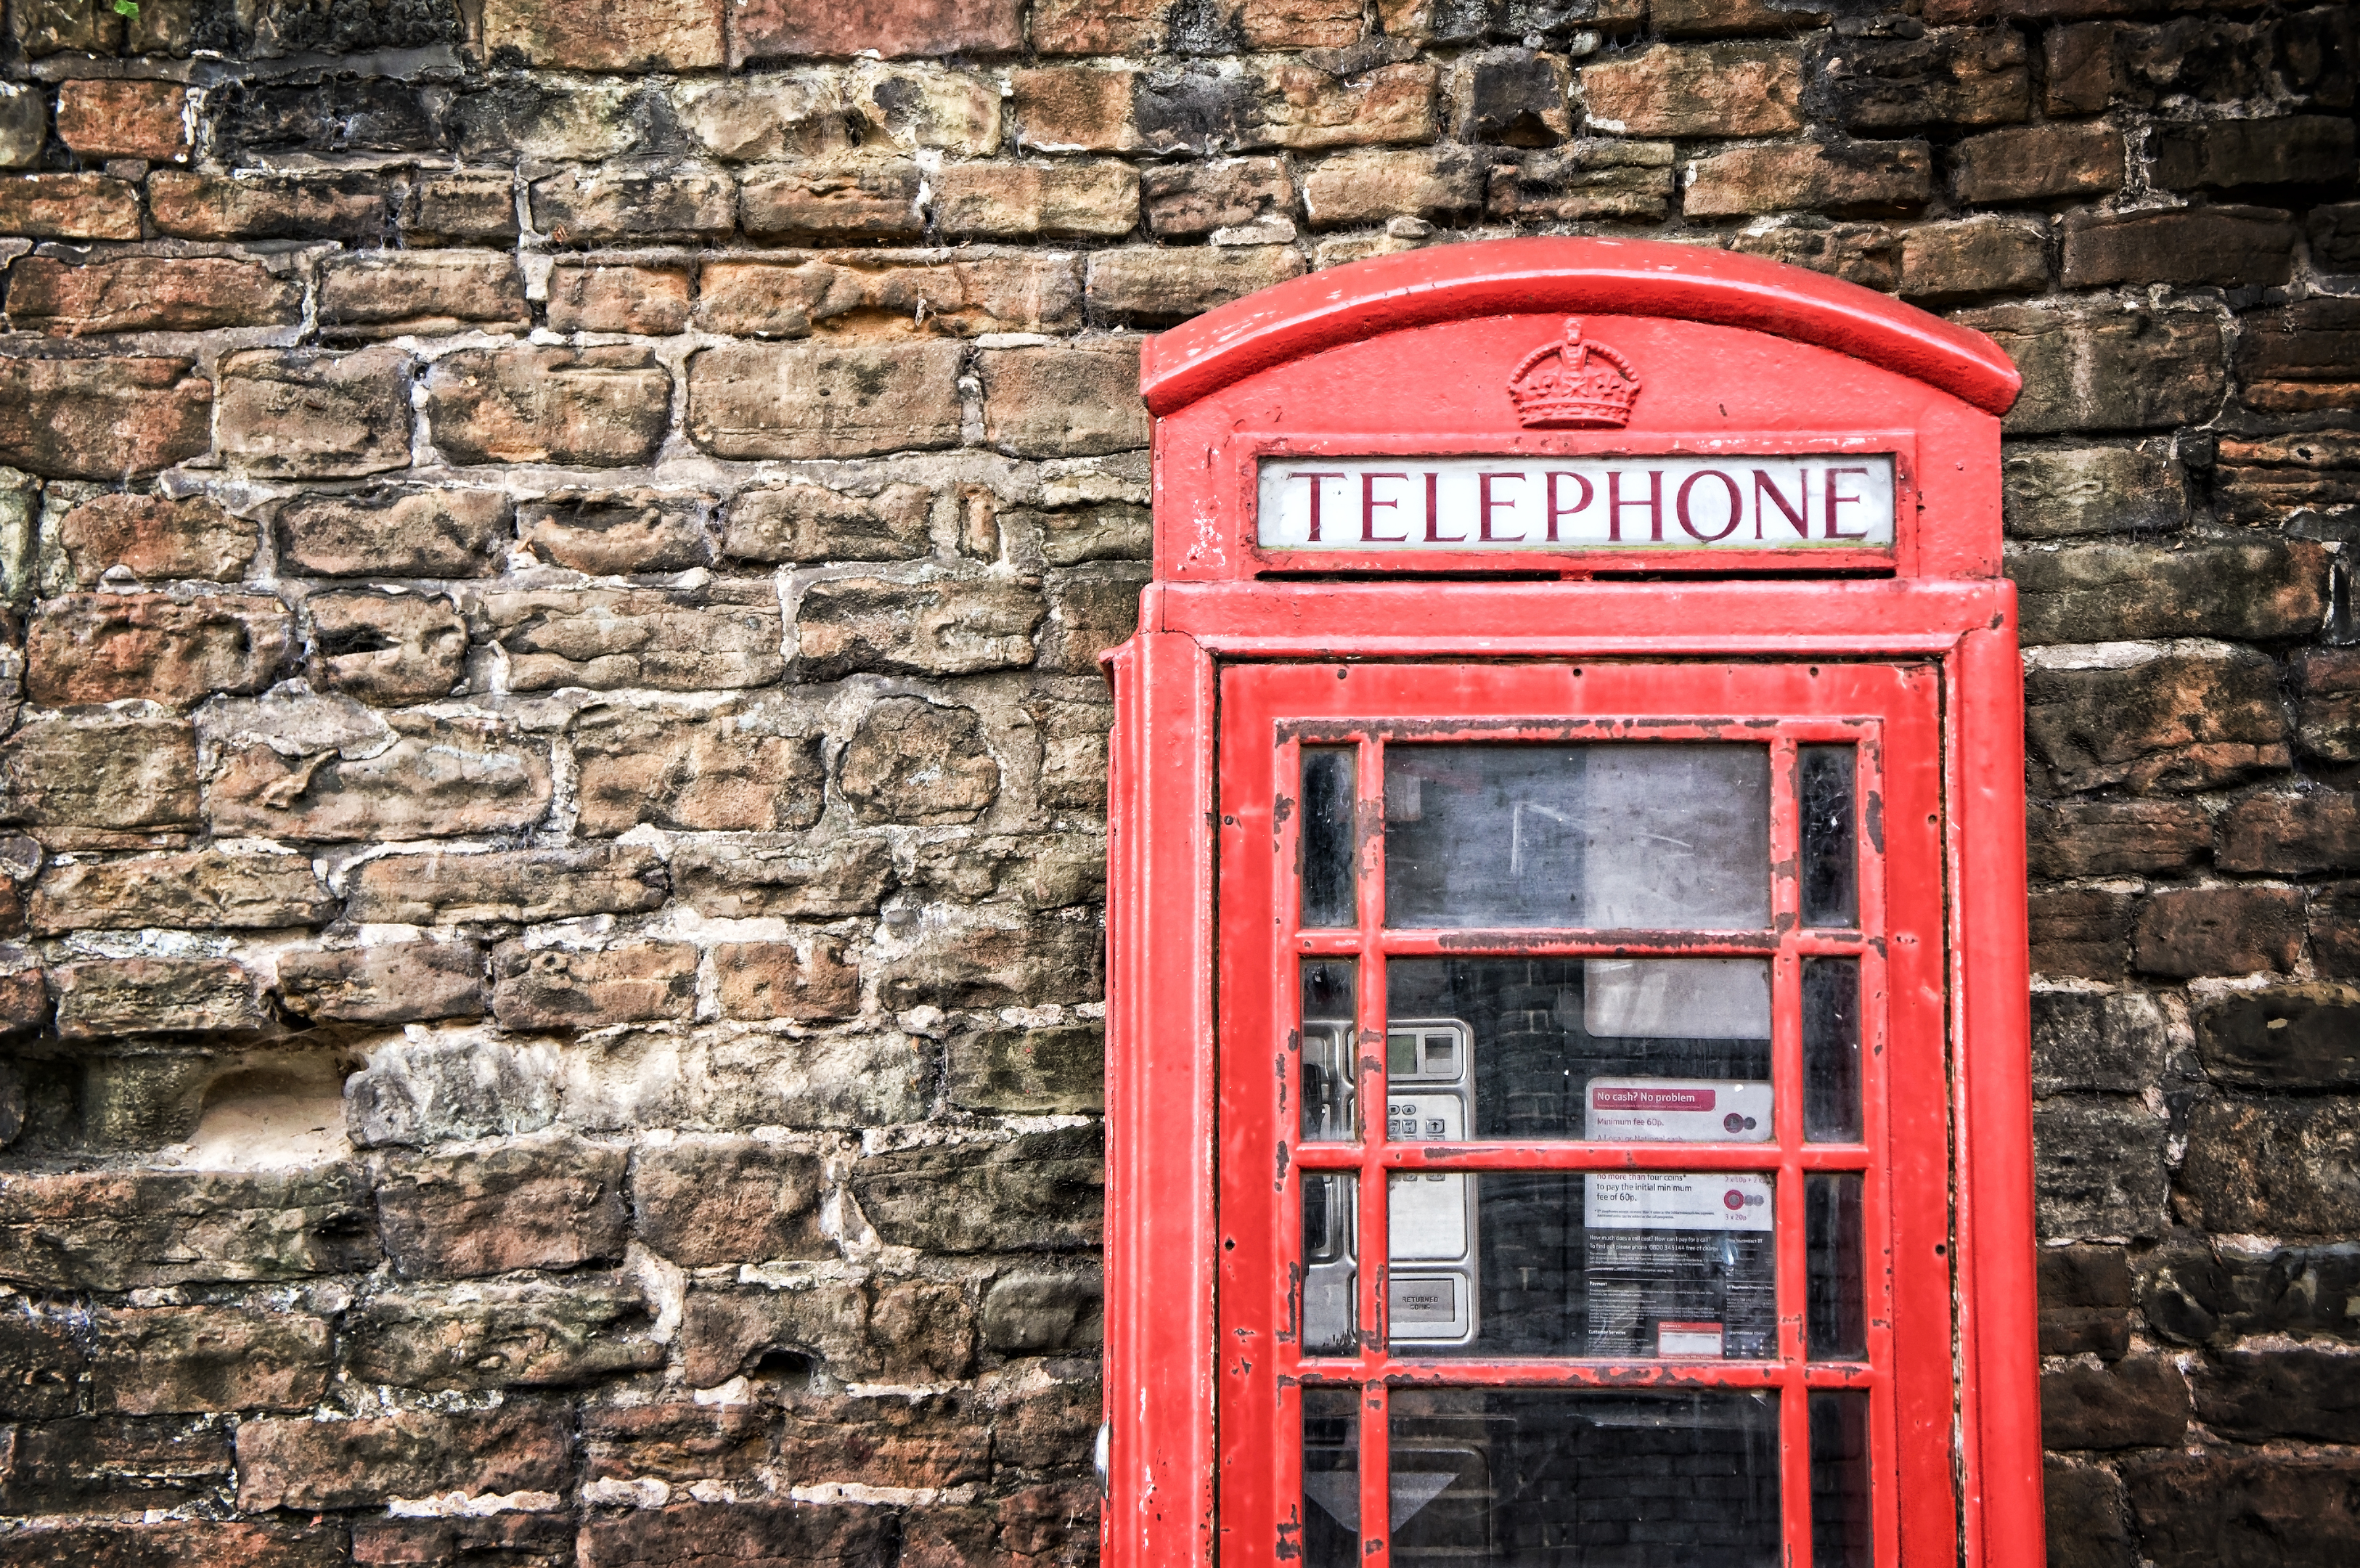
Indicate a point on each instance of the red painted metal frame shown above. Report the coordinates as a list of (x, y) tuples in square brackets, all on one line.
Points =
[(1401, 348)]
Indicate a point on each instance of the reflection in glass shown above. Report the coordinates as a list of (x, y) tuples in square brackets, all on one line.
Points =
[(1330, 1300), (1325, 836), (1504, 1476), (1631, 835), (1823, 787), (1839, 1503), (1835, 1293), (1628, 1050), (1332, 1477), (1831, 1050), (1326, 1051)]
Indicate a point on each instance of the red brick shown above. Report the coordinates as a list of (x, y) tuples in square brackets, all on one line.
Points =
[(897, 29), (143, 294), (103, 118), (1075, 109), (68, 207), (1298, 24), (1715, 90), (613, 35), (102, 419), (1099, 26)]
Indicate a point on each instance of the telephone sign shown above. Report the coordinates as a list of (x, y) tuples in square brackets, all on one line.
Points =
[(1568, 1091)]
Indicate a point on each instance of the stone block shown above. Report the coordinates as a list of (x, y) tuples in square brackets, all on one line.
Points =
[(447, 1087), (1305, 108), (2082, 67), (841, 1081), (2335, 236), (1064, 400), (68, 207), (107, 647), (439, 776), (2116, 1043), (351, 207), (461, 209), (42, 1365), (2080, 931), (593, 297), (1059, 1069), (2336, 930), (529, 1334), (591, 408), (995, 957), (522, 1538), (310, 414), (2189, 931), (393, 983), (603, 638), (154, 537), (2265, 591), (1191, 201), (705, 1202), (420, 293), (116, 418), (884, 294), (897, 29), (1087, 615), (676, 1442), (407, 533), (2037, 163), (1942, 76), (551, 1201), (1108, 530), (2259, 1396), (805, 522), (612, 533), (633, 34), (726, 1332), (1513, 97), (385, 648), (2063, 492), (313, 1465), (197, 890), (2222, 155), (719, 770), (2275, 479), (2091, 367), (752, 1535), (515, 887), (182, 1544), (1035, 1311), (2114, 838), (1075, 109), (1589, 178), (2290, 834), (2088, 1524), (2229, 246), (2086, 1296), (269, 120), (1053, 870), (1945, 262), (1015, 201), (2290, 1037), (148, 294), (588, 205), (807, 400), (766, 119), (937, 1440), (2216, 1295), (151, 1361), (790, 879), (1865, 254), (1692, 89), (113, 1464), (102, 996), (914, 762), (127, 1230), (109, 780), (540, 123), (1374, 185), (2137, 1403), (805, 981), (2302, 357), (23, 124), (1153, 285), (1097, 26), (2099, 1168), (1035, 1192), (558, 987), (2284, 1168), (846, 204), (2201, 1510), (1842, 178)]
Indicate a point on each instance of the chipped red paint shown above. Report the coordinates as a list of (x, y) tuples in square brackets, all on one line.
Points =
[(1244, 654)]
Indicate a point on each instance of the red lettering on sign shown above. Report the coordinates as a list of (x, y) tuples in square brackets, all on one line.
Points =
[(1799, 513), (1615, 504), (1833, 499), (1369, 503), (1433, 482), (1736, 504), (1483, 513), (1556, 511), (1315, 478)]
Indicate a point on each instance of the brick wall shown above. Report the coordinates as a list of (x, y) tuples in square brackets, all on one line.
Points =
[(553, 556)]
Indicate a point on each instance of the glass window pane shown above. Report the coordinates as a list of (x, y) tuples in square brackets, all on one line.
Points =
[(1835, 1297), (1823, 786), (1839, 1506), (1331, 1300), (1831, 1050), (1332, 1477), (1636, 837), (1327, 1065), (1628, 1264), (1504, 1476), (1325, 842), (1622, 1050)]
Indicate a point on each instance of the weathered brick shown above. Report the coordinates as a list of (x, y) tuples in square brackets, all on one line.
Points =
[(1155, 285), (1943, 76), (631, 35), (1036, 1192), (676, 1440), (551, 1201), (125, 1230), (2328, 711), (898, 29), (2080, 931), (1065, 200), (2085, 1301), (42, 1365), (2272, 479), (2289, 1037), (2302, 149), (2059, 493), (2112, 838), (545, 123), (872, 200), (2197, 717), (312, 1465), (187, 1360), (113, 419), (615, 298), (1097, 26), (151, 537), (23, 124), (2097, 1042), (1067, 400), (2107, 593), (788, 877), (2225, 245), (439, 776), (147, 294), (2093, 367), (1191, 201), (805, 982), (1045, 871), (995, 957), (1075, 109), (113, 1464), (2187, 932), (2272, 1167), (1595, 178), (726, 1332), (2037, 163), (443, 1087), (1865, 254), (753, 1535), (114, 779), (2336, 930), (754, 119), (261, 121), (68, 207), (306, 413), (706, 1201), (795, 400), (180, 1543), (1840, 178), (1942, 262), (2302, 357), (463, 208), (522, 1538), (154, 995), (604, 639), (2335, 236), (1371, 186), (528, 1335), (610, 533), (2082, 67), (1111, 530), (385, 648), (590, 408), (123, 118), (2196, 1294), (1058, 1069), (1710, 90), (713, 770), (1513, 97), (913, 761), (558, 987), (2098, 1168), (199, 889), (1031, 1311), (247, 206), (807, 522), (2256, 1396), (1306, 108), (881, 293), (106, 648), (2290, 834), (393, 983), (420, 293), (585, 205), (515, 887)]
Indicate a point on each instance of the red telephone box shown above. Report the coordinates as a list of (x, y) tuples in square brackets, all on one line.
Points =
[(1568, 1093)]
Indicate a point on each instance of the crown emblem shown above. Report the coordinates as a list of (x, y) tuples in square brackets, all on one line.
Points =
[(1580, 391)]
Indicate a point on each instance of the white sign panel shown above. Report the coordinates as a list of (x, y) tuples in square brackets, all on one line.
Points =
[(1826, 500), (1677, 1110), (1663, 1200)]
